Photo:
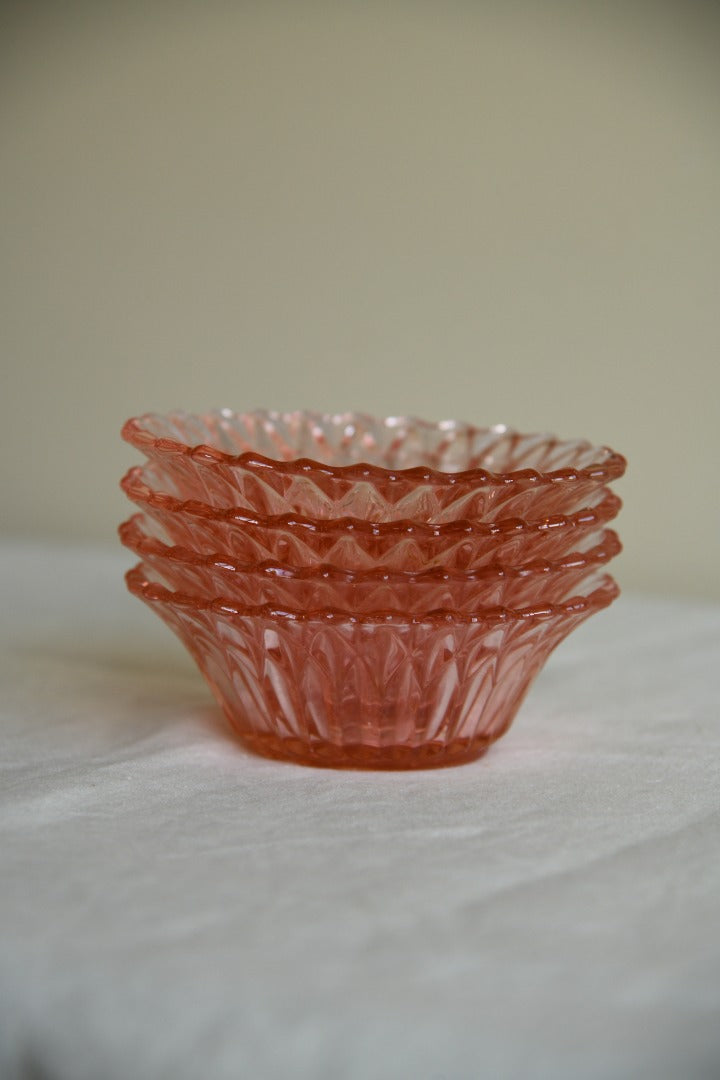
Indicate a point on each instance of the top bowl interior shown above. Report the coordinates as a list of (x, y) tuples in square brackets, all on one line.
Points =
[(357, 445)]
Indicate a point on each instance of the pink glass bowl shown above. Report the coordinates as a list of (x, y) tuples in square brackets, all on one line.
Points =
[(379, 470), (353, 544), (365, 592), (389, 691)]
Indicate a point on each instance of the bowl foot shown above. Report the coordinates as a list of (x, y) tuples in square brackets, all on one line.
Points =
[(431, 755)]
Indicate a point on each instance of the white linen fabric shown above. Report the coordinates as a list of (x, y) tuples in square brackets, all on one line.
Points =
[(171, 906)]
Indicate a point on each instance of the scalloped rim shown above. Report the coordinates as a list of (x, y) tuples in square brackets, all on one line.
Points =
[(141, 585), (136, 434), (138, 491), (132, 536)]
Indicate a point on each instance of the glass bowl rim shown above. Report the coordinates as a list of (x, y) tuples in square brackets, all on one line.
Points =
[(138, 490), (142, 586), (133, 537), (609, 465)]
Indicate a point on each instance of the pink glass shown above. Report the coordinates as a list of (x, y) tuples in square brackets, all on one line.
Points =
[(334, 688), (354, 544), (363, 592), (377, 469)]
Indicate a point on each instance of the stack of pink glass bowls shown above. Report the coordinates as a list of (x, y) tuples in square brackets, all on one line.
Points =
[(363, 592)]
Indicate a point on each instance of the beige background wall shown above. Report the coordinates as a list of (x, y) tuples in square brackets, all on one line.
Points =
[(497, 211)]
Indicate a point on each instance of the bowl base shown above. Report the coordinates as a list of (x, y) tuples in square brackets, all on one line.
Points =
[(431, 755)]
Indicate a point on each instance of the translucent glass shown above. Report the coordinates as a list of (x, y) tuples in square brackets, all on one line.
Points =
[(379, 469), (374, 590), (354, 544), (333, 688)]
